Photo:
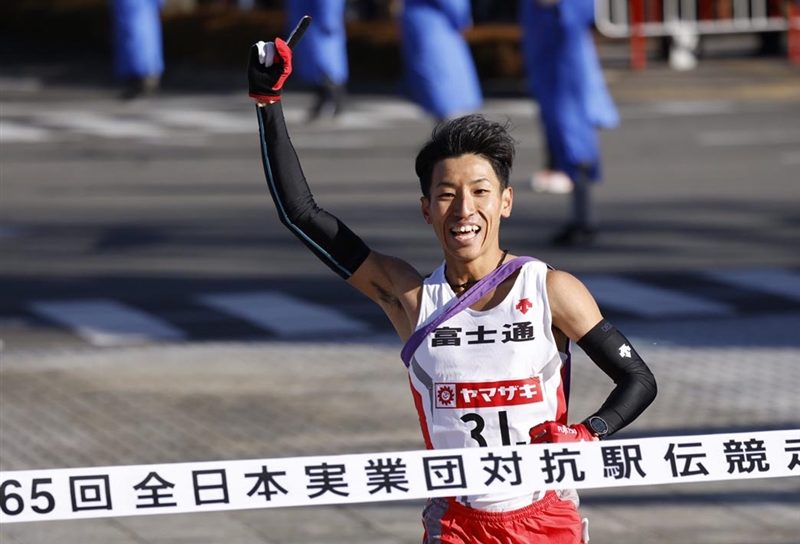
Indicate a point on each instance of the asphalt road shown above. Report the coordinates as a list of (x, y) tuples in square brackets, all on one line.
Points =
[(161, 202), (139, 237)]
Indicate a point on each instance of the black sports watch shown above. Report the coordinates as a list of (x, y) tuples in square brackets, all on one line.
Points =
[(598, 426)]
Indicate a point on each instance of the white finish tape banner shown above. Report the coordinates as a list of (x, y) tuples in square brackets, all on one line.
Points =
[(138, 490)]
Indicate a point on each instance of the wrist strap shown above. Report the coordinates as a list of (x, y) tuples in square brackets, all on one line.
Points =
[(475, 293)]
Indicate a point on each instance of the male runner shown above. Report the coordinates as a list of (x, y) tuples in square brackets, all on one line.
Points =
[(515, 338)]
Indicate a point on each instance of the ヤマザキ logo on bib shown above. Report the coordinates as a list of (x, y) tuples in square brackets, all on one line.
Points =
[(488, 394)]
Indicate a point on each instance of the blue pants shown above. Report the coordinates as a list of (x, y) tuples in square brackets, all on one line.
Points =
[(440, 72), (322, 53), (138, 50), (565, 78)]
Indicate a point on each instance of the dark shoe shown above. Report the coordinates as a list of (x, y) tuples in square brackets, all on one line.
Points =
[(574, 235), (140, 87), (328, 102)]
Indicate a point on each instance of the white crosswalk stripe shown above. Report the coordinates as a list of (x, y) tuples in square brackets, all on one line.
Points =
[(783, 283), (283, 314), (170, 120), (11, 132), (216, 122), (103, 322), (621, 294), (162, 121), (106, 322), (173, 124), (106, 126)]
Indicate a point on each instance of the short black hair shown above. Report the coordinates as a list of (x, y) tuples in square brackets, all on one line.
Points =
[(468, 134)]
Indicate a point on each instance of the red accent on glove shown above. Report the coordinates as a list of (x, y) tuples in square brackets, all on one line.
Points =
[(261, 99), (552, 432), (285, 53)]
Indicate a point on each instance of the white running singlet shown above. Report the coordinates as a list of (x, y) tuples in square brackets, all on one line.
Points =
[(484, 378)]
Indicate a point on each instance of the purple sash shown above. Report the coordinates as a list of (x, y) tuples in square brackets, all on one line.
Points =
[(478, 291)]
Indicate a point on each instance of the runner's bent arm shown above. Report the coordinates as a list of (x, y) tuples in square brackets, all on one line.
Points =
[(388, 281), (576, 314), (327, 237)]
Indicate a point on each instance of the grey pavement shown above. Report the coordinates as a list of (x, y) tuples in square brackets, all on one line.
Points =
[(702, 175), (238, 401)]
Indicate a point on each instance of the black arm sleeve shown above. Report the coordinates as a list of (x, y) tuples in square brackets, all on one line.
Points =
[(330, 239), (636, 386)]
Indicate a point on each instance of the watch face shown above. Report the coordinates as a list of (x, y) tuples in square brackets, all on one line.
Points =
[(598, 426)]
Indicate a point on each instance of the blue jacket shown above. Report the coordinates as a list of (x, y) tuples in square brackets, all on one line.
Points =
[(565, 78), (440, 73), (138, 49), (322, 53)]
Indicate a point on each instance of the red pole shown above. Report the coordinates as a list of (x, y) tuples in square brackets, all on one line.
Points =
[(794, 32), (704, 10), (638, 41)]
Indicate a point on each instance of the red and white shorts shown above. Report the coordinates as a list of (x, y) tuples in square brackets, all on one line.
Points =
[(551, 520)]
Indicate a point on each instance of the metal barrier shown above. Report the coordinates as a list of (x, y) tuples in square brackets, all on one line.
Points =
[(684, 20)]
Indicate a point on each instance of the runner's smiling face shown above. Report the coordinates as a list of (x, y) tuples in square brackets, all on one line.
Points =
[(466, 204)]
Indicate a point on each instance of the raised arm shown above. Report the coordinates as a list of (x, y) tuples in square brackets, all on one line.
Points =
[(324, 234), (387, 281), (327, 237), (576, 314)]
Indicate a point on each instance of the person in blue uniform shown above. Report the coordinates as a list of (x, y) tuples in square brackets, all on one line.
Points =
[(138, 47), (440, 73), (565, 78), (324, 53)]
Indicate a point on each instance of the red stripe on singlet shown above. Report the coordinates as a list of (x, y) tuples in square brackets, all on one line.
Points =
[(563, 389), (423, 422)]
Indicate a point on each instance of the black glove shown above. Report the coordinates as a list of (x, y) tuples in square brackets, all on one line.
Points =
[(266, 78)]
